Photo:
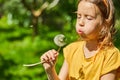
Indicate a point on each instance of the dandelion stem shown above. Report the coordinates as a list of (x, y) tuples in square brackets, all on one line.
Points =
[(59, 49), (34, 64)]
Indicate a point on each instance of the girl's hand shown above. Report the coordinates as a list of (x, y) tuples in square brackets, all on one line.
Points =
[(49, 59)]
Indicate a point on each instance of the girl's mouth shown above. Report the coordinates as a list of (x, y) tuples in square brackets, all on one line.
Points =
[(79, 31)]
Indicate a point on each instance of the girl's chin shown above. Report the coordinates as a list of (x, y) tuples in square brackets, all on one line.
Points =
[(83, 37), (81, 34)]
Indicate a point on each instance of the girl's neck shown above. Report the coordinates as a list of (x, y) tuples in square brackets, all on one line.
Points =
[(92, 45), (90, 48)]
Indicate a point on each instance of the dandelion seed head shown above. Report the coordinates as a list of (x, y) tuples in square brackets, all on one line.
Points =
[(59, 40)]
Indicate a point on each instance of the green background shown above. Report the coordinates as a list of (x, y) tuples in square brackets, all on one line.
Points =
[(21, 43)]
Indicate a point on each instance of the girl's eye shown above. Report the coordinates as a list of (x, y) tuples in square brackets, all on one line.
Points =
[(89, 17), (78, 16)]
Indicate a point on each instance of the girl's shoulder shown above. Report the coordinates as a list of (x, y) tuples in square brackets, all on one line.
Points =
[(111, 51), (111, 60)]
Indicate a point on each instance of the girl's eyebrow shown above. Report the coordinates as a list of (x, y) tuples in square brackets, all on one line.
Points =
[(76, 12)]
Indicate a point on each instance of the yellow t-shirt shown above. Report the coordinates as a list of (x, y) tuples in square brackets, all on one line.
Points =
[(81, 68)]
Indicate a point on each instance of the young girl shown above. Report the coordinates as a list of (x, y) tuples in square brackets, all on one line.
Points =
[(94, 57)]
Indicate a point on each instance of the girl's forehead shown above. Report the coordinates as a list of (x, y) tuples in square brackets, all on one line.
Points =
[(87, 7)]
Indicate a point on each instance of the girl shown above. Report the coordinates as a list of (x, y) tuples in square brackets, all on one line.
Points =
[(94, 57)]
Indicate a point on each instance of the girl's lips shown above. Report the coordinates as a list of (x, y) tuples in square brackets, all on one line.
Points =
[(79, 32)]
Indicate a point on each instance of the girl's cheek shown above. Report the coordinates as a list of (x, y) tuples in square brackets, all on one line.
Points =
[(77, 26)]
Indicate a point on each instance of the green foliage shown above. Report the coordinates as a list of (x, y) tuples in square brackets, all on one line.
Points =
[(117, 38), (18, 47)]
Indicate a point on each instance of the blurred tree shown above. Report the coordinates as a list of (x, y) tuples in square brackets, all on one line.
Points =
[(117, 8), (36, 7), (1, 9), (29, 10)]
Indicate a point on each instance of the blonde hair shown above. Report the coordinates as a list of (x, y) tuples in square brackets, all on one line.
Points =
[(108, 13)]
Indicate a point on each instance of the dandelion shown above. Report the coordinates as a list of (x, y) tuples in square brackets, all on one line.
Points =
[(59, 40)]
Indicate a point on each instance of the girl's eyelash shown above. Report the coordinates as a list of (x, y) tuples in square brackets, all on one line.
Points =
[(78, 16), (90, 17)]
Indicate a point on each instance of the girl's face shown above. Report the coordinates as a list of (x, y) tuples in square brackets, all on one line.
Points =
[(89, 20)]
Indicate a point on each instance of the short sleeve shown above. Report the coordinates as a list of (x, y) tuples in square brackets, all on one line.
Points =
[(70, 49), (67, 51), (112, 61)]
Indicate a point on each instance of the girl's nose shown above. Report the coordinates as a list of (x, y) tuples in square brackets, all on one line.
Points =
[(81, 22)]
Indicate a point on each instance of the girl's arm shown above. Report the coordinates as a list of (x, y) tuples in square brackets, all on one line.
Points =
[(63, 74), (109, 76), (52, 75), (49, 60)]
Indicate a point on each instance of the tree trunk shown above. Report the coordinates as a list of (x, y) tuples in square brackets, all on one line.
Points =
[(35, 26)]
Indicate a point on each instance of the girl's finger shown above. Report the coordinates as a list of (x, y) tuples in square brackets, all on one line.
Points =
[(45, 58), (55, 53), (49, 55)]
